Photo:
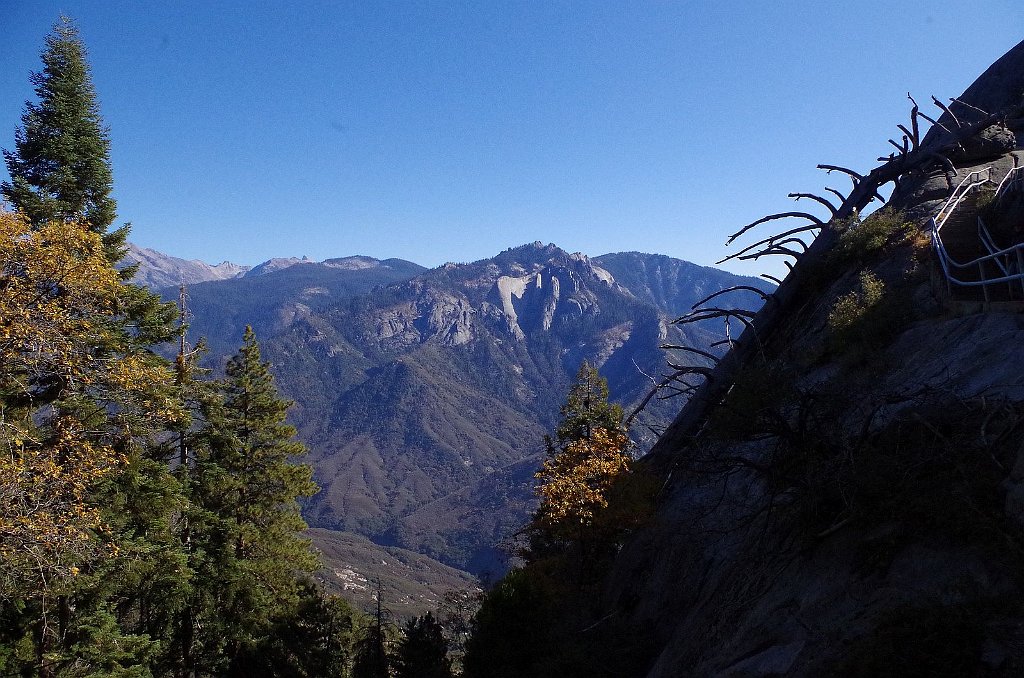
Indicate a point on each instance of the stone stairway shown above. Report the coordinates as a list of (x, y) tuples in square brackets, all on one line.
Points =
[(963, 244), (960, 237)]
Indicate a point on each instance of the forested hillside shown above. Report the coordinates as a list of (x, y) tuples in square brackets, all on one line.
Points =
[(424, 396)]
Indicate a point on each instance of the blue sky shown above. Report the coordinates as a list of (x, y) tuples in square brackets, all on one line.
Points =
[(449, 131)]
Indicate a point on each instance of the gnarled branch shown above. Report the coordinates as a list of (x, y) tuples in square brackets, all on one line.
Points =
[(964, 103), (774, 249), (856, 177), (690, 349), (775, 217), (773, 239), (735, 288), (838, 194), (945, 109), (683, 370), (935, 122), (713, 313), (816, 198), (664, 383), (916, 136)]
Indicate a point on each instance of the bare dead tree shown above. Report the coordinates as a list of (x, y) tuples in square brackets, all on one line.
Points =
[(690, 349), (735, 288), (913, 156)]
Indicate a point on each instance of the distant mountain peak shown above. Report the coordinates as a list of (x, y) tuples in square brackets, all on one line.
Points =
[(277, 264), (157, 270), (353, 263)]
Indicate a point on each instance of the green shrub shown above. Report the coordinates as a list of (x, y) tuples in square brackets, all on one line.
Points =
[(860, 239), (850, 310)]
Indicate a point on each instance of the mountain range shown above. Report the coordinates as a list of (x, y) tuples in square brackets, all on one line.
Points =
[(424, 395)]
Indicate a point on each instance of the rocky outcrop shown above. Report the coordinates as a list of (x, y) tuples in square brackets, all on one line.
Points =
[(991, 142), (998, 89), (854, 506), (277, 264), (529, 300)]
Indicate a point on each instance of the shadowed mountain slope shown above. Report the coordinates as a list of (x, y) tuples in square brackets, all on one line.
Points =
[(424, 396)]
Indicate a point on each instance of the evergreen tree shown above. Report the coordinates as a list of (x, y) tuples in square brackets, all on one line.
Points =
[(423, 650), (371, 655), (585, 460), (315, 640), (83, 401), (60, 169), (529, 624), (371, 658), (246, 526), (586, 408), (512, 631)]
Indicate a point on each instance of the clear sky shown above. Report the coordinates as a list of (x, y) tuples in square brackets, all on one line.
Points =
[(449, 131)]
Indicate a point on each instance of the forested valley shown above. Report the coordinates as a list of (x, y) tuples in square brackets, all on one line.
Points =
[(151, 524)]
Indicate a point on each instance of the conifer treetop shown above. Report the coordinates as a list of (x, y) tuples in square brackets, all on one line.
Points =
[(60, 168)]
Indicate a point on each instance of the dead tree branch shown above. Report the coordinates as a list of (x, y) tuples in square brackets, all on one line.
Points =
[(678, 347), (855, 176), (816, 198), (713, 313), (945, 109), (774, 217), (735, 288), (916, 137), (838, 194), (774, 239), (964, 103), (935, 122)]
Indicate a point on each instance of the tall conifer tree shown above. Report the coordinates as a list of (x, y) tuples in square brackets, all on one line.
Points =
[(85, 385), (247, 526), (60, 169), (423, 650), (586, 457)]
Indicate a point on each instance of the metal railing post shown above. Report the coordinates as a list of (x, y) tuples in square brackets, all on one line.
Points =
[(1020, 269), (981, 277)]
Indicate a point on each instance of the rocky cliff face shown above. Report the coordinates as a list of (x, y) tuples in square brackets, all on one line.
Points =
[(853, 506)]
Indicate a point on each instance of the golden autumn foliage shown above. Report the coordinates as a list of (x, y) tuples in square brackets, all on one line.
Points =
[(72, 395), (575, 482)]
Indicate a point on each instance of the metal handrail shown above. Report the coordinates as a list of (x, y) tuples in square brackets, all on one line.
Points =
[(1001, 257), (1012, 178), (970, 182), (989, 243)]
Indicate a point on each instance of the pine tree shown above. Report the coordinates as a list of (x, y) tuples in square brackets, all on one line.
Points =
[(60, 169), (315, 640), (246, 524), (371, 658), (513, 629), (586, 408), (423, 650)]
